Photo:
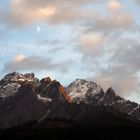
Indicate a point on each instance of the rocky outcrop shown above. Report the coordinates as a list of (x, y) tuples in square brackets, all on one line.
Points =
[(24, 98), (22, 107)]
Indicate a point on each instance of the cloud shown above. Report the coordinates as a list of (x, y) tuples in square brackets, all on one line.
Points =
[(20, 16), (46, 41), (122, 68), (101, 31), (42, 3), (113, 22), (74, 14), (19, 58), (90, 43), (113, 5), (129, 57), (25, 12), (109, 51), (138, 1), (35, 63), (115, 19), (124, 86)]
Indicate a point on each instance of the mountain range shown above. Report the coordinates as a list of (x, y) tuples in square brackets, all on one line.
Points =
[(27, 102)]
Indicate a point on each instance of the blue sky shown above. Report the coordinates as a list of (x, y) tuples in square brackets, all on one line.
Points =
[(95, 40)]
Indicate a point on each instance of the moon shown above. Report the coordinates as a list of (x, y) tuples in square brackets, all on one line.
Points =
[(38, 29)]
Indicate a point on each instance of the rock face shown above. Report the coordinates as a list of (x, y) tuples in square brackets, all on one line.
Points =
[(18, 100), (23, 99), (11, 83), (84, 91)]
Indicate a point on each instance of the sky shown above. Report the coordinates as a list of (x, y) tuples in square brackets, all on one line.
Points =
[(97, 40)]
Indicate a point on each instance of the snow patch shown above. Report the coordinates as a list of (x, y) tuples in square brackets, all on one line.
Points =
[(44, 99), (134, 110)]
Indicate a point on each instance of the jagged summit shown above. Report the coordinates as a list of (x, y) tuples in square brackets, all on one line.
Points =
[(46, 80), (83, 91), (51, 89), (18, 76), (11, 83), (25, 98), (110, 90)]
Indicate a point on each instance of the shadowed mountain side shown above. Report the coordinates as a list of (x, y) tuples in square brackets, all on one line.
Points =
[(46, 103)]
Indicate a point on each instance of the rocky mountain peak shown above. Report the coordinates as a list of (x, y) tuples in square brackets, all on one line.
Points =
[(14, 76), (46, 80), (52, 89), (83, 91), (11, 83), (110, 96), (111, 91)]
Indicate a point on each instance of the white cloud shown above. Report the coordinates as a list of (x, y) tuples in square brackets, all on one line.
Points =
[(21, 16), (90, 43), (19, 58), (35, 63), (114, 5), (122, 67), (138, 1), (123, 85), (114, 22), (25, 12)]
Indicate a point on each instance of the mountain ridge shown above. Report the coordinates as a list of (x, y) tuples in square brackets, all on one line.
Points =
[(24, 98)]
